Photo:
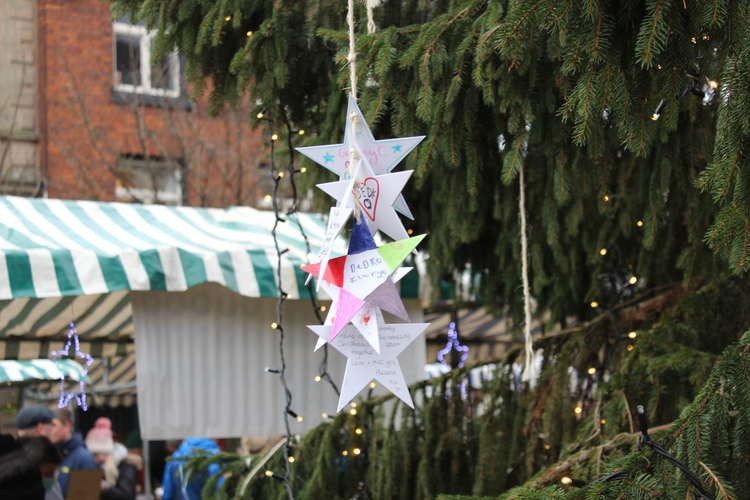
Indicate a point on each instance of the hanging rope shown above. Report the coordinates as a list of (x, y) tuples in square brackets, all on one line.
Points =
[(352, 57), (528, 363)]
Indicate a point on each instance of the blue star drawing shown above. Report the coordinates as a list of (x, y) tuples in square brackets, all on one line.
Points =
[(328, 157), (80, 397), (452, 344)]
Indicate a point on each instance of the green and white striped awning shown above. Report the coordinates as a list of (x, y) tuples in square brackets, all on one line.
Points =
[(39, 370), (55, 248)]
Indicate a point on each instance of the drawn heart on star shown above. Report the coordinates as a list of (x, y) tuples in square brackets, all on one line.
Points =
[(368, 195), (366, 319)]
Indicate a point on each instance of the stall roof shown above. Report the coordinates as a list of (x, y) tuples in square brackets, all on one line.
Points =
[(55, 248), (40, 369)]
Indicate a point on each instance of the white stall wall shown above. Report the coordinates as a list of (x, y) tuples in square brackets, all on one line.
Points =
[(200, 359)]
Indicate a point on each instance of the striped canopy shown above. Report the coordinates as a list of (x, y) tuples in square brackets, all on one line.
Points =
[(40, 369), (55, 248)]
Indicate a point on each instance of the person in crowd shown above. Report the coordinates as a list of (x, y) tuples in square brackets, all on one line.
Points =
[(27, 466), (120, 469), (75, 456), (34, 421), (174, 484)]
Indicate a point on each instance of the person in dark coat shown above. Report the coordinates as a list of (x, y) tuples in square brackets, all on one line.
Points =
[(119, 469), (71, 447), (27, 465)]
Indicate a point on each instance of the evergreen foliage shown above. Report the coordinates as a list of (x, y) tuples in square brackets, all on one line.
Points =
[(689, 366), (565, 88)]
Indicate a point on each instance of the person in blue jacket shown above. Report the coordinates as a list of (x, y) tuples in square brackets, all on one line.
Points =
[(70, 444), (175, 487)]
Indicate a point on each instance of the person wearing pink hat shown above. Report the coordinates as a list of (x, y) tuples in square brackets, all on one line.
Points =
[(120, 471)]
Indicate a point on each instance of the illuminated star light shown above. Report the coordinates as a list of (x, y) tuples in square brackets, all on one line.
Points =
[(452, 344), (79, 397)]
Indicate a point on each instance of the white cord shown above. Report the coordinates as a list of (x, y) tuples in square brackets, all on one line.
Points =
[(528, 363), (352, 57)]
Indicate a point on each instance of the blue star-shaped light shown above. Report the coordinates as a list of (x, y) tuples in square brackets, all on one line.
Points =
[(452, 344), (397, 148), (79, 397), (328, 157)]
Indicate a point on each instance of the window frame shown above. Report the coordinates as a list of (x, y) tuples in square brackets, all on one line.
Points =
[(145, 38), (149, 195)]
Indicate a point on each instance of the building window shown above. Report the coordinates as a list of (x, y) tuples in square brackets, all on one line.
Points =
[(134, 70), (148, 180)]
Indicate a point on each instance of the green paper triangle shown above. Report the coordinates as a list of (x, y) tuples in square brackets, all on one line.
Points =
[(394, 253)]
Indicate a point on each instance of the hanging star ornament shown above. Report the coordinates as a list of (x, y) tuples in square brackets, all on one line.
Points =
[(382, 155), (73, 342), (364, 365)]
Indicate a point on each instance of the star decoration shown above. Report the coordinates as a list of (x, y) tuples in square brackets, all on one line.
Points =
[(72, 341), (364, 364), (374, 196), (382, 155), (361, 273), (366, 292)]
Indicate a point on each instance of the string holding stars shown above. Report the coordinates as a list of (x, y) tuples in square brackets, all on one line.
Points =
[(80, 397)]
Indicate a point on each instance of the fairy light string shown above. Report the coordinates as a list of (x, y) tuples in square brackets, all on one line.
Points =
[(277, 176)]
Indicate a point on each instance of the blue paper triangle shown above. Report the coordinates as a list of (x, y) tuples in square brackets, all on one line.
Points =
[(361, 239)]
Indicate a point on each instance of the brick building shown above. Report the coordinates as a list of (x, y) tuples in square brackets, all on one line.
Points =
[(85, 114)]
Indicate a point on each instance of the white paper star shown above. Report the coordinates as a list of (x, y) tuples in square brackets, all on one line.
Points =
[(375, 195), (364, 364), (363, 318), (382, 155)]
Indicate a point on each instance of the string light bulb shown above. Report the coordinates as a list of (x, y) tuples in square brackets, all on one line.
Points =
[(603, 252), (356, 451), (603, 421), (274, 325), (345, 453), (260, 115), (353, 404), (633, 280), (228, 18), (410, 231), (594, 304), (275, 137), (632, 334), (713, 84), (317, 378), (303, 170), (591, 371), (693, 39), (630, 347), (659, 109), (324, 415), (639, 223), (291, 459), (268, 473), (249, 34), (353, 411), (267, 197), (565, 480), (323, 308), (281, 174), (578, 410), (299, 418), (373, 385), (358, 431), (301, 131), (605, 198)]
